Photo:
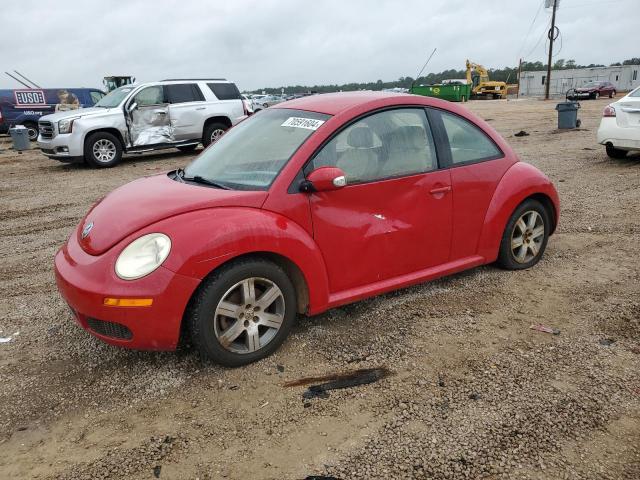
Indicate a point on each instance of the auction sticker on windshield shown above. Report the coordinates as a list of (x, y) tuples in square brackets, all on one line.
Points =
[(297, 122)]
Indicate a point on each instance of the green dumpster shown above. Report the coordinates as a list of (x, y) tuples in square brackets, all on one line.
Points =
[(453, 92)]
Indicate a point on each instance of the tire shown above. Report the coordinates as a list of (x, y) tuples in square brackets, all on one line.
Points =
[(213, 132), (187, 148), (512, 258), (102, 150), (252, 330), (614, 152), (32, 130)]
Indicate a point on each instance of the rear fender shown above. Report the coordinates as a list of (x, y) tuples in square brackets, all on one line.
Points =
[(520, 182), (205, 239)]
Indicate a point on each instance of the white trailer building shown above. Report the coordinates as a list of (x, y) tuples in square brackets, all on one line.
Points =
[(625, 78)]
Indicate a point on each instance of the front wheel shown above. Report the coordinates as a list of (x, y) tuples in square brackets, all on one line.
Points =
[(242, 313), (102, 150), (525, 237), (614, 152)]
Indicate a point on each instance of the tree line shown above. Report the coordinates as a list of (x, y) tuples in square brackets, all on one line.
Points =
[(506, 74)]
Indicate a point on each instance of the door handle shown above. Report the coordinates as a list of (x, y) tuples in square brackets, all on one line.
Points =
[(200, 108), (160, 112), (437, 190)]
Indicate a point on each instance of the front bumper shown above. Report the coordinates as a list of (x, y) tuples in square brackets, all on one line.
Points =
[(84, 281), (65, 147)]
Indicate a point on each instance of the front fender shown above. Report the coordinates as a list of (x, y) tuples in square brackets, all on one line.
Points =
[(205, 239), (521, 181)]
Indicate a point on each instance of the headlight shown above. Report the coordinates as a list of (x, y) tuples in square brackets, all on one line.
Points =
[(143, 256), (66, 125)]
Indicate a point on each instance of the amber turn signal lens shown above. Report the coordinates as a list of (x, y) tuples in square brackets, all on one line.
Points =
[(128, 302)]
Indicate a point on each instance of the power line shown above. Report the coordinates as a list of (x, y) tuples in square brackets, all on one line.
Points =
[(544, 32), (530, 27)]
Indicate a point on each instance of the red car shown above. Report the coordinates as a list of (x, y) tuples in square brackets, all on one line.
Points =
[(308, 205), (593, 90)]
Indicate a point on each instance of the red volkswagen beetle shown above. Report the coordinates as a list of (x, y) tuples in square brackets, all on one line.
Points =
[(311, 204)]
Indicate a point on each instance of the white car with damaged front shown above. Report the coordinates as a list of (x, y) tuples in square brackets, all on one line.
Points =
[(619, 128)]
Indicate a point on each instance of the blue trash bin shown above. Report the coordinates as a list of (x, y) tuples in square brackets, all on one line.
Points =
[(568, 114), (20, 136)]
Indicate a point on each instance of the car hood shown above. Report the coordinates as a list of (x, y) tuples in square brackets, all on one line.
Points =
[(79, 112), (148, 200), (586, 89)]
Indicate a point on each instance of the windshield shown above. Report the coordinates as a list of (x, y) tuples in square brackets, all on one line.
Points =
[(635, 93), (113, 99), (250, 155)]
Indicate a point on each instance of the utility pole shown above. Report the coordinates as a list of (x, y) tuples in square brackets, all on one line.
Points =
[(552, 32), (519, 75)]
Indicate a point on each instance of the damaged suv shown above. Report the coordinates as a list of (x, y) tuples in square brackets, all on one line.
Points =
[(139, 118)]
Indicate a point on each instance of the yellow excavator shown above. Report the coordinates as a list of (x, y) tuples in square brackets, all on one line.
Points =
[(481, 86)]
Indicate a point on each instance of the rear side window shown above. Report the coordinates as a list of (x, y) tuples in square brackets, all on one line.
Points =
[(467, 142), (183, 93), (225, 91)]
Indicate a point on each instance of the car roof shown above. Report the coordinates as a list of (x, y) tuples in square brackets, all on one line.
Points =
[(334, 103)]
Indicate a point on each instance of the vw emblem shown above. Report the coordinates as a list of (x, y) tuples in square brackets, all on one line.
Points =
[(87, 229)]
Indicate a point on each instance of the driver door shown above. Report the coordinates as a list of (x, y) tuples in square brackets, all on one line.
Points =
[(149, 121), (394, 215)]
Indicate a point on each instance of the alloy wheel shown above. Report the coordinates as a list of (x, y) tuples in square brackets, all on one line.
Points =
[(527, 237), (249, 315), (32, 133), (104, 151), (216, 135)]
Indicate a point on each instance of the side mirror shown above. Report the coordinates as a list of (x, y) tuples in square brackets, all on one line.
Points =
[(324, 179), (132, 107)]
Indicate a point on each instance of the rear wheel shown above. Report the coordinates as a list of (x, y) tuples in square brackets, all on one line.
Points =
[(614, 152), (525, 236), (242, 313), (102, 150), (32, 130), (213, 132)]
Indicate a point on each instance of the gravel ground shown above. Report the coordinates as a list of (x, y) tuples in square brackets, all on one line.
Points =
[(474, 392)]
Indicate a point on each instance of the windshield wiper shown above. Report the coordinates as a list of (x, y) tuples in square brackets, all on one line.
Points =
[(200, 179)]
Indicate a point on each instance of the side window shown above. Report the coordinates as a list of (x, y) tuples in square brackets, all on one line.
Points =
[(183, 93), (388, 144), (150, 96), (467, 142), (225, 91), (95, 96)]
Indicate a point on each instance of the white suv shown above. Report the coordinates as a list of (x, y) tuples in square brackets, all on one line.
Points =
[(139, 118)]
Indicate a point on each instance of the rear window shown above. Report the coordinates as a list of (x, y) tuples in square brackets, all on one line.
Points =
[(183, 92), (225, 91)]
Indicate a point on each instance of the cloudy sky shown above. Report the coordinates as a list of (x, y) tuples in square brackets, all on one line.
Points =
[(272, 43)]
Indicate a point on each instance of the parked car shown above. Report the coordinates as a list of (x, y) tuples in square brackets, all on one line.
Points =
[(26, 106), (593, 90), (139, 118), (248, 104), (267, 101), (619, 129), (312, 204)]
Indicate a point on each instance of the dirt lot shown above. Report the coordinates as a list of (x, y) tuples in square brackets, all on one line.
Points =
[(475, 393)]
